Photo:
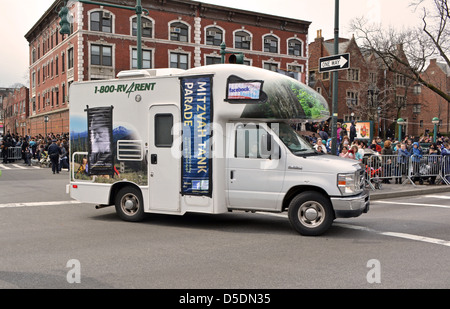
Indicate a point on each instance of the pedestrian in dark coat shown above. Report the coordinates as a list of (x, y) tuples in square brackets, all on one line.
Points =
[(54, 151), (352, 132)]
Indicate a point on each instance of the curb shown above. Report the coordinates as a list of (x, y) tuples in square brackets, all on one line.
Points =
[(410, 192)]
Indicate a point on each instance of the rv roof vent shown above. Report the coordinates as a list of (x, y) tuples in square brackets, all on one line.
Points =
[(148, 73)]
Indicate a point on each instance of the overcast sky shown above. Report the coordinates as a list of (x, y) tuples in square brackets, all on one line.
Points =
[(17, 18)]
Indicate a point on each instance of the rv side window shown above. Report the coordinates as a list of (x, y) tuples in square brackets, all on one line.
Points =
[(163, 130), (248, 142)]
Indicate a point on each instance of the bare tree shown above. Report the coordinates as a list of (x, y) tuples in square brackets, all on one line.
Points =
[(407, 52)]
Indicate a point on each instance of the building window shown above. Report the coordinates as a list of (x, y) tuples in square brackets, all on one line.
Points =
[(70, 58), (417, 108), (63, 64), (352, 98), (214, 36), (295, 68), (295, 47), (101, 21), (146, 59), (242, 40), (400, 102), (400, 80), (271, 66), (101, 55), (147, 27), (270, 44), (63, 93), (353, 74), (178, 60), (179, 32), (372, 77), (213, 60), (325, 75), (56, 66)]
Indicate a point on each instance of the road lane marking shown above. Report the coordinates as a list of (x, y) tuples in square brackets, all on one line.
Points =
[(445, 197), (3, 167), (18, 166), (399, 235), (34, 204), (430, 240), (412, 204), (418, 238)]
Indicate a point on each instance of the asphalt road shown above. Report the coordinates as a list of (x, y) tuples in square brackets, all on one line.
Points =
[(47, 241)]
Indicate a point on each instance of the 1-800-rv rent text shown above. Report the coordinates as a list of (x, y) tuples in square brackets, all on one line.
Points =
[(211, 139)]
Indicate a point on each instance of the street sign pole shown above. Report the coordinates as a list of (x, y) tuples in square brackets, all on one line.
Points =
[(334, 147)]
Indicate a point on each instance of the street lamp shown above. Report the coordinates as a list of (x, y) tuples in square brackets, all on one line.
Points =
[(435, 121), (45, 121), (400, 122)]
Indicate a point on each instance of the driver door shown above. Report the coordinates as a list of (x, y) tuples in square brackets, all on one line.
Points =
[(255, 173)]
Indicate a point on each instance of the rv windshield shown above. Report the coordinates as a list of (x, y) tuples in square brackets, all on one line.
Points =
[(296, 144)]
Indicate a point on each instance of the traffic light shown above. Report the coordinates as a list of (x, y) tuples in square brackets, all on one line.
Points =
[(236, 58), (64, 23)]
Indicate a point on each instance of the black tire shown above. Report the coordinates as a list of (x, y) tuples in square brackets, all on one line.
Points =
[(129, 204), (310, 213)]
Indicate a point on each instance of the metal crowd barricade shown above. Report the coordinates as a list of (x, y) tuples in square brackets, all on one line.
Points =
[(412, 169), (446, 169), (386, 167), (13, 153), (424, 167)]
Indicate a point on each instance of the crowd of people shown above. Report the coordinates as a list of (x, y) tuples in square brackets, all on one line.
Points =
[(349, 146), (53, 146)]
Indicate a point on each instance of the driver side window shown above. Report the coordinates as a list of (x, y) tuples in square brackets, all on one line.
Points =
[(251, 142)]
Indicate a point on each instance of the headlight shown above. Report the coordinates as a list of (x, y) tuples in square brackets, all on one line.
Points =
[(349, 183)]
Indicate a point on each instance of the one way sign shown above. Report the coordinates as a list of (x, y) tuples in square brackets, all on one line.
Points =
[(334, 63)]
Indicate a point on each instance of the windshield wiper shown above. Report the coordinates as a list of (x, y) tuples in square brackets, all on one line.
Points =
[(301, 150)]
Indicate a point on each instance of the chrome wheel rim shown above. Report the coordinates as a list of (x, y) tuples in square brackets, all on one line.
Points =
[(311, 214), (129, 204)]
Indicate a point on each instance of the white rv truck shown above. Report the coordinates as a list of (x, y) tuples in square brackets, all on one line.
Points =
[(212, 139)]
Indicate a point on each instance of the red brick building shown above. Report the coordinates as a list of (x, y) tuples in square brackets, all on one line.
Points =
[(367, 90), (16, 108), (435, 106), (176, 33), (4, 92)]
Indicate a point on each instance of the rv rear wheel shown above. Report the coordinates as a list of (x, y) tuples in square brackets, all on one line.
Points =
[(129, 205), (310, 213)]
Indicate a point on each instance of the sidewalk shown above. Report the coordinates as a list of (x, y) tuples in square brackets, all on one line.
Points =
[(407, 189)]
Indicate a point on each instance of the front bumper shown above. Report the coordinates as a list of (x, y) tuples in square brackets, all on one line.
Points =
[(352, 206)]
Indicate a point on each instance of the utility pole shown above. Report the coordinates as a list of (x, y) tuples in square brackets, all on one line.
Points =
[(65, 26), (335, 82)]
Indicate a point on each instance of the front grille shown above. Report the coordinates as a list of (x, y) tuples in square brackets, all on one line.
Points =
[(362, 178)]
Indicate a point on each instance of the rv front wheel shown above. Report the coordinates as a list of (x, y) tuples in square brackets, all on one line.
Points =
[(310, 213), (129, 205)]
